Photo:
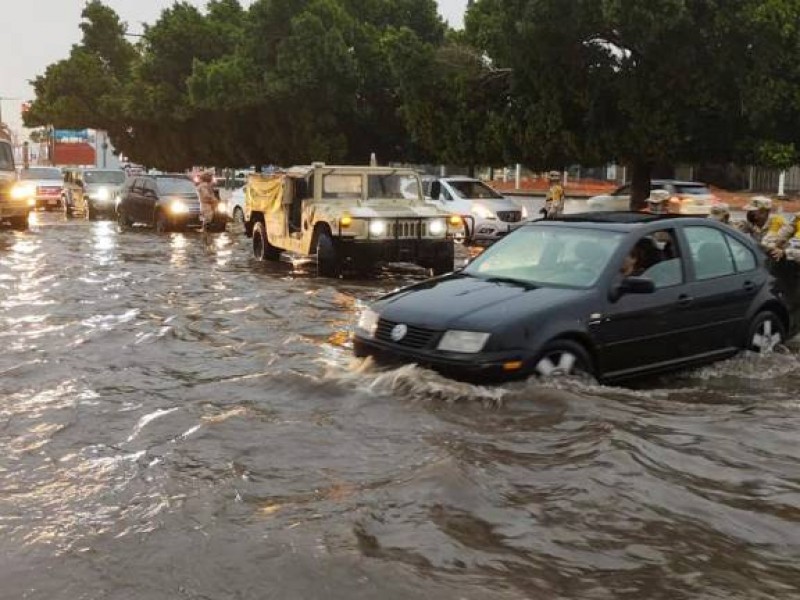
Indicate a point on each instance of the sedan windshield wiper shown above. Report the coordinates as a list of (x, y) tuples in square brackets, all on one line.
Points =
[(526, 284)]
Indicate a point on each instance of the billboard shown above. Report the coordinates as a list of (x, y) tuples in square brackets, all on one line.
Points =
[(71, 135)]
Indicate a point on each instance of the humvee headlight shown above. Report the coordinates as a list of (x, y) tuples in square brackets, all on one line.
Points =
[(20, 191), (103, 195), (437, 227), (32, 202), (346, 221), (377, 228)]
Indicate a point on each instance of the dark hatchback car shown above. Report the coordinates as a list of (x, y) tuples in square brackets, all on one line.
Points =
[(166, 202), (614, 295)]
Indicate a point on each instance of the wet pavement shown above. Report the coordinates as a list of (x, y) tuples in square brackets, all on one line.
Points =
[(179, 422)]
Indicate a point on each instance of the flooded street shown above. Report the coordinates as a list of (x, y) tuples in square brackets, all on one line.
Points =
[(180, 422)]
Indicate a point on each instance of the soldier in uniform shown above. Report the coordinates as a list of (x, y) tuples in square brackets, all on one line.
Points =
[(786, 243), (658, 202), (208, 199), (761, 224), (721, 212), (554, 202)]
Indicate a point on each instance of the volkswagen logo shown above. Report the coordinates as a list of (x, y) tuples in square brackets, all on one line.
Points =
[(399, 332)]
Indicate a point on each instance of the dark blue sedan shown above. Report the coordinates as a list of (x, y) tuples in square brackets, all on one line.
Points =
[(616, 296)]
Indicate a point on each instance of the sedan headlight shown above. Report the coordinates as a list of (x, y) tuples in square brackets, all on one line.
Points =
[(368, 322), (437, 227), (21, 191), (464, 342), (377, 227), (177, 207), (482, 212), (525, 212)]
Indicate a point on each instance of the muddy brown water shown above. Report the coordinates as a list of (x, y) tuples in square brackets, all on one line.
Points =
[(179, 422)]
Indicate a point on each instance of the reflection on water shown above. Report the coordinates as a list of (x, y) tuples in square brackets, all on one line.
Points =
[(178, 421)]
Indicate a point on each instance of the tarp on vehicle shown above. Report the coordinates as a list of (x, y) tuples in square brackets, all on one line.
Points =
[(264, 193)]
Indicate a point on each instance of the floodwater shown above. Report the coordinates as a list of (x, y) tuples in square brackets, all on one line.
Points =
[(179, 422)]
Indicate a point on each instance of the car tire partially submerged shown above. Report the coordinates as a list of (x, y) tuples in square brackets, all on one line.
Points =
[(563, 358), (767, 333)]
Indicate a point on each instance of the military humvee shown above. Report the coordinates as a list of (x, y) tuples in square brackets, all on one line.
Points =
[(348, 217), (15, 197)]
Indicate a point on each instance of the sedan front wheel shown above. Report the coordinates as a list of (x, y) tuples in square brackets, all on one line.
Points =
[(766, 333), (564, 358)]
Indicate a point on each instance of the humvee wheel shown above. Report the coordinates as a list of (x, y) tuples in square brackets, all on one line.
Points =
[(262, 249), (328, 262)]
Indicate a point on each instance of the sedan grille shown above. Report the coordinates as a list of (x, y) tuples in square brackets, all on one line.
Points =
[(510, 216), (416, 337)]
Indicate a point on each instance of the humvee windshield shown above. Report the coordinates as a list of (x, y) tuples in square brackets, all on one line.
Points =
[(394, 187), (338, 185)]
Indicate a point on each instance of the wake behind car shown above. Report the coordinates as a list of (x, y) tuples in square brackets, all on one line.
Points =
[(616, 296), (488, 216), (166, 202), (16, 198), (45, 185), (91, 192), (686, 198), (348, 217)]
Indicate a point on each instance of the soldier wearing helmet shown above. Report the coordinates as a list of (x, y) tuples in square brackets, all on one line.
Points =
[(554, 202)]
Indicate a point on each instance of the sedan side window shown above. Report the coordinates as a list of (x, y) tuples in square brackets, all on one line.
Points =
[(656, 257), (742, 255), (710, 253)]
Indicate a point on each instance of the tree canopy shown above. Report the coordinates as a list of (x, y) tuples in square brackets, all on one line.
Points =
[(547, 83)]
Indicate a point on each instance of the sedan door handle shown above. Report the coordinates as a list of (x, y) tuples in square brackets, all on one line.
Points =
[(749, 286), (684, 300)]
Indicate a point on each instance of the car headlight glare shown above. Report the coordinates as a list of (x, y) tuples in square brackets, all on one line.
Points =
[(482, 212), (437, 227), (377, 227), (368, 322), (177, 207), (103, 195), (464, 342), (222, 207), (21, 191)]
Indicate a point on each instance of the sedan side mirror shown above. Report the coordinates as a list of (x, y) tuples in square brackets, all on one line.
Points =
[(633, 285)]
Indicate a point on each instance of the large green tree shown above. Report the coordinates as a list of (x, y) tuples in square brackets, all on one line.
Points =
[(644, 83)]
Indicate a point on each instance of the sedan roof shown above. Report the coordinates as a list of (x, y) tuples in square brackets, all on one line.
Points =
[(616, 221)]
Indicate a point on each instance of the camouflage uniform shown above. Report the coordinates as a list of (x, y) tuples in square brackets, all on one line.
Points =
[(208, 201), (554, 202), (788, 239)]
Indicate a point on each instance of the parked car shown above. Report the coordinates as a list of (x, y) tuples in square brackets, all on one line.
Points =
[(46, 184), (488, 215), (91, 192), (16, 198), (165, 202), (615, 296), (235, 205), (687, 198), (348, 217)]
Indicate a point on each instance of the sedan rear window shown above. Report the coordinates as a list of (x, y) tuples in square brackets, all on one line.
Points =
[(549, 256), (176, 186), (692, 190)]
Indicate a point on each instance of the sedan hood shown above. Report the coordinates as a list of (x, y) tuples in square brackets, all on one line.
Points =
[(460, 301)]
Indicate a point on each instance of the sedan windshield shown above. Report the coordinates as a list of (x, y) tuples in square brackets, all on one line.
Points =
[(549, 256), (6, 158), (111, 177), (474, 190), (180, 186), (36, 173)]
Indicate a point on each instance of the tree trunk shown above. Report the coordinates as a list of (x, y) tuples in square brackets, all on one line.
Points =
[(640, 185), (472, 171)]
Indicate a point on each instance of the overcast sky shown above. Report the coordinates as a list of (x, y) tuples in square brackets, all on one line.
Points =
[(39, 32)]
